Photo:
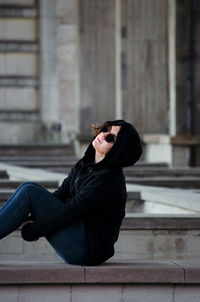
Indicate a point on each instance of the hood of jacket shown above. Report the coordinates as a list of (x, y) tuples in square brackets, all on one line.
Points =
[(125, 152)]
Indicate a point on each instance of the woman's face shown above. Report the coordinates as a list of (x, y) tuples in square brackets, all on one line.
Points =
[(100, 144)]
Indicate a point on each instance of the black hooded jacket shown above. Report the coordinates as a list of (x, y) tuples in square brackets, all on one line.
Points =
[(95, 194)]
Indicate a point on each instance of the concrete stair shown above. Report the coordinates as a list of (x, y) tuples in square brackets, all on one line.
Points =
[(156, 256), (162, 172), (7, 188), (13, 184), (35, 151), (144, 281), (142, 237), (51, 157), (61, 158), (189, 182), (188, 178), (53, 160)]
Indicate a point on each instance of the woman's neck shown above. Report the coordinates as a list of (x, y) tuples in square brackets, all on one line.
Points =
[(99, 157)]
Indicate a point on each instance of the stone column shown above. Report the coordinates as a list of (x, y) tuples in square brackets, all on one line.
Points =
[(68, 67), (59, 71), (186, 137)]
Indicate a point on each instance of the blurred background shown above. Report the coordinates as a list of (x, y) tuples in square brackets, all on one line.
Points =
[(65, 64)]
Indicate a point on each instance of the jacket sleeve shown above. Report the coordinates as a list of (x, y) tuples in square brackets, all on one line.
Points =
[(63, 192), (91, 198)]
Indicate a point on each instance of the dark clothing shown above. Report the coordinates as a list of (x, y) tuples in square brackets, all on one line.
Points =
[(96, 195), (68, 242)]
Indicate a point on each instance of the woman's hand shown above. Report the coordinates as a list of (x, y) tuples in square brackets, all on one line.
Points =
[(27, 231)]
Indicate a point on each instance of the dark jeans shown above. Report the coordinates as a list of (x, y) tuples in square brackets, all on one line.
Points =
[(31, 198)]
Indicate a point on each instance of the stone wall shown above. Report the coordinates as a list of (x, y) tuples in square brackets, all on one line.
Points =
[(66, 64), (97, 62), (145, 64), (132, 244), (19, 102)]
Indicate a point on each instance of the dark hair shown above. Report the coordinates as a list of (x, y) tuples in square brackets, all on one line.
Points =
[(97, 129)]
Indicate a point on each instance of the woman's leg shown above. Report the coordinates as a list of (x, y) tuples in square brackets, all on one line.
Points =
[(31, 198), (13, 195), (70, 243)]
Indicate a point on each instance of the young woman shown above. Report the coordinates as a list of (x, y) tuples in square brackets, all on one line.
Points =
[(81, 220)]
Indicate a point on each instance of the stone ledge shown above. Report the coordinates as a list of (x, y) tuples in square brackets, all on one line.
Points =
[(161, 222), (18, 81), (21, 115), (36, 273), (13, 184), (32, 149), (157, 222), (191, 270), (14, 11), (161, 272), (138, 272), (162, 172), (182, 140), (135, 272), (18, 46), (5, 192), (171, 182)]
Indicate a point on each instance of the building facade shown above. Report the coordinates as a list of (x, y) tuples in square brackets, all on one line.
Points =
[(68, 63)]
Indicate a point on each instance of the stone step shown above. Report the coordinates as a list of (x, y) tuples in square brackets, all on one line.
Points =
[(13, 11), (58, 161), (7, 191), (5, 194), (142, 164), (113, 281), (166, 222), (184, 180), (135, 203), (13, 184), (70, 159), (132, 173), (48, 161), (42, 164), (172, 182), (18, 46), (156, 171), (20, 116), (36, 149), (65, 165), (142, 237), (17, 3), (18, 81), (44, 273)]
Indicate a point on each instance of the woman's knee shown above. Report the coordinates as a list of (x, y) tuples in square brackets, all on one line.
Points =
[(27, 186), (27, 183)]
